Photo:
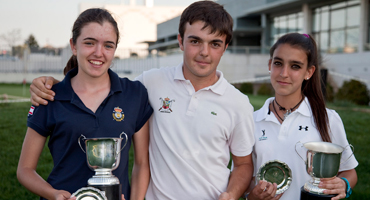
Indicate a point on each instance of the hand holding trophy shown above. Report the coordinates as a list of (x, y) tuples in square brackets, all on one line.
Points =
[(323, 161)]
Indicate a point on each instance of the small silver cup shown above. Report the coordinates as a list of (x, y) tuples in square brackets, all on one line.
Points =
[(103, 156), (323, 161)]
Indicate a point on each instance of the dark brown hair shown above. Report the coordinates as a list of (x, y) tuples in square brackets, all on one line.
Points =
[(212, 14), (310, 88), (97, 15)]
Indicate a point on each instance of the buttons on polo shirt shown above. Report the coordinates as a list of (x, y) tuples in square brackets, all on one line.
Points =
[(193, 105)]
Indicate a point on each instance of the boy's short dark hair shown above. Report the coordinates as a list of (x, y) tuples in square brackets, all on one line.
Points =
[(212, 14)]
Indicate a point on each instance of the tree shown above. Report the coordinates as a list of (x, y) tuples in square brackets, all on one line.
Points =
[(31, 42), (12, 37)]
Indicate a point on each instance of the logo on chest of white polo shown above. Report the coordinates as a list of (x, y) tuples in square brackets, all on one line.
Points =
[(303, 128), (118, 114), (263, 137), (166, 105)]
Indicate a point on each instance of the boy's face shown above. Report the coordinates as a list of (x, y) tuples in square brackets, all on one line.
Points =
[(202, 52)]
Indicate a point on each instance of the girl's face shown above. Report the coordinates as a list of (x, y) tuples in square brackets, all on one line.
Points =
[(95, 49), (288, 67)]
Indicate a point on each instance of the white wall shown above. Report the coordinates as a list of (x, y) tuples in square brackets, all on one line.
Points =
[(236, 67)]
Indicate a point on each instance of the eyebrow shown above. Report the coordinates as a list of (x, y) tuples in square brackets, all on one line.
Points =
[(198, 38), (89, 38), (293, 61)]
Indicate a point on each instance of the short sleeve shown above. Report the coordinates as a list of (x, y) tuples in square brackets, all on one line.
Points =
[(38, 120), (242, 137)]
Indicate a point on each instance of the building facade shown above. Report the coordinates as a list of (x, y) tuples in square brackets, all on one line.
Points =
[(340, 27)]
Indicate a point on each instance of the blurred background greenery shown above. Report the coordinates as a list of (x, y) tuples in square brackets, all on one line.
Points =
[(13, 119)]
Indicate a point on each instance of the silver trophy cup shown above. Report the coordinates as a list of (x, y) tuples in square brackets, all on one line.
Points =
[(103, 156), (323, 161)]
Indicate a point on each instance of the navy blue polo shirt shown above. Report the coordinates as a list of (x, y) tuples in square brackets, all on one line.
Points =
[(126, 109)]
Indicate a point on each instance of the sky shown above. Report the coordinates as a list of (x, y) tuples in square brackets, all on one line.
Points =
[(51, 21)]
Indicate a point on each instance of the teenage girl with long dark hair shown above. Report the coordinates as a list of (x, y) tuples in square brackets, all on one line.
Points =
[(297, 113)]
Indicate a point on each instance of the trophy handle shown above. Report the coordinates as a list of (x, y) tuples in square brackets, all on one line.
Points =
[(120, 136), (295, 148), (353, 151), (79, 143)]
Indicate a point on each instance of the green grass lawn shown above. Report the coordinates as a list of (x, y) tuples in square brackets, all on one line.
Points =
[(13, 118)]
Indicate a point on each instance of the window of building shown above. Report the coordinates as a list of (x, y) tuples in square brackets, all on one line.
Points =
[(336, 27), (368, 30), (285, 24)]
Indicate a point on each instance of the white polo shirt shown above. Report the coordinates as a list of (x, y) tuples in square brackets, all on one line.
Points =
[(275, 141), (192, 134)]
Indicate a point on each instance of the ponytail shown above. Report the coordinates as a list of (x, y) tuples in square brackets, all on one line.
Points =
[(312, 90), (71, 64)]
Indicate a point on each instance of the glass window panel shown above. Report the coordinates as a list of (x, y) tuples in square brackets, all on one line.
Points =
[(352, 37), (325, 8), (292, 24), (324, 21), (337, 19), (282, 25), (316, 22), (323, 42), (368, 37), (272, 28), (282, 22), (353, 2), (353, 16), (338, 5), (292, 16), (300, 24), (337, 41)]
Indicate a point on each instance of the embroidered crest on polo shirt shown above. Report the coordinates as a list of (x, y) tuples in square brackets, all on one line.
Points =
[(118, 114), (303, 128), (263, 137), (166, 104), (31, 110)]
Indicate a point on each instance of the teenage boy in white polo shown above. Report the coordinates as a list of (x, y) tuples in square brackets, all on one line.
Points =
[(198, 118)]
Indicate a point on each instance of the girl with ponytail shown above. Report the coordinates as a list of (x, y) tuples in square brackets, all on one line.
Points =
[(93, 101), (297, 113)]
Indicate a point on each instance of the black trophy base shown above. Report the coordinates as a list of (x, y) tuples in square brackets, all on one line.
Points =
[(310, 196), (112, 192)]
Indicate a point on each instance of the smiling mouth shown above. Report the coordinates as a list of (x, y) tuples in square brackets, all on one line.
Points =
[(282, 83), (95, 62)]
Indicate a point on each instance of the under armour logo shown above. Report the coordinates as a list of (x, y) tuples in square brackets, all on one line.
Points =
[(301, 127), (263, 132)]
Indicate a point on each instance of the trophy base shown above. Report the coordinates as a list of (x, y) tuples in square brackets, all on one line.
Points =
[(112, 192), (311, 196)]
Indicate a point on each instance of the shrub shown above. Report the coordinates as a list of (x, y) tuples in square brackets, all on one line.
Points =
[(246, 88), (329, 93), (354, 91), (265, 89)]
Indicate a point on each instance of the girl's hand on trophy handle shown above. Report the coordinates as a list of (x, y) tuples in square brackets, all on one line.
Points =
[(264, 190), (334, 186)]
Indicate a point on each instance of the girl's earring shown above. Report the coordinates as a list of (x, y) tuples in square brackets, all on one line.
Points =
[(307, 78)]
